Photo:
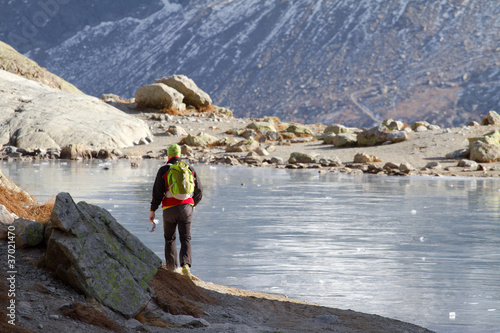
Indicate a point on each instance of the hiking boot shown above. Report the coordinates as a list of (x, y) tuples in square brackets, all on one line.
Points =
[(186, 270)]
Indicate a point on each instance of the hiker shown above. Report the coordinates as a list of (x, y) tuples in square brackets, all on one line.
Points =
[(176, 212)]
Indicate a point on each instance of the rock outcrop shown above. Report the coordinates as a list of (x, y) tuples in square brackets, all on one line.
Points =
[(89, 250), (35, 116)]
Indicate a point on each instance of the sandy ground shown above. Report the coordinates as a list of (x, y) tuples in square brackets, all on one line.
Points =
[(420, 148)]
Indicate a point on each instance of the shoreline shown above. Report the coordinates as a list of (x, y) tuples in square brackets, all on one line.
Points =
[(421, 149)]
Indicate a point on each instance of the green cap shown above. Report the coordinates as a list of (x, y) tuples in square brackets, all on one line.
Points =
[(174, 150)]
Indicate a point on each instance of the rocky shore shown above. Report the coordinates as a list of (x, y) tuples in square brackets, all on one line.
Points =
[(214, 137)]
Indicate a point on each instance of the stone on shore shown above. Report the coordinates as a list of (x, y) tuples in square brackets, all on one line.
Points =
[(373, 136), (28, 233), (89, 250), (262, 126), (485, 148), (299, 130), (243, 146), (301, 158), (202, 139), (159, 96), (366, 158), (492, 118), (192, 94), (344, 140)]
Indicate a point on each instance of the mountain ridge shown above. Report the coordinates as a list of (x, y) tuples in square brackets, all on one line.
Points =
[(320, 61)]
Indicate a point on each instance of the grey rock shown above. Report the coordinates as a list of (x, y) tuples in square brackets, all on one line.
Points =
[(465, 163), (276, 160), (192, 94), (365, 158), (202, 139), (344, 140), (373, 136), (51, 118), (456, 154), (406, 167), (159, 96), (89, 250), (301, 158), (397, 136), (484, 152), (434, 165), (28, 233), (243, 146)]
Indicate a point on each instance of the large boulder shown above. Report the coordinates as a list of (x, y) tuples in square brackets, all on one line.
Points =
[(192, 94), (345, 140), (373, 136), (485, 148), (297, 157), (262, 126), (35, 116), (159, 96), (380, 134), (89, 250), (202, 139), (243, 146), (299, 130)]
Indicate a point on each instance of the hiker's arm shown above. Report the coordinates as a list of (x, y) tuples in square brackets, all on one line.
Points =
[(198, 188), (159, 189)]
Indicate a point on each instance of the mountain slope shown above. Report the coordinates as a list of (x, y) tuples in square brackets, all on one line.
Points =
[(352, 62)]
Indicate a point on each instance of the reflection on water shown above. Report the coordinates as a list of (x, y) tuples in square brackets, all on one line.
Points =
[(414, 249)]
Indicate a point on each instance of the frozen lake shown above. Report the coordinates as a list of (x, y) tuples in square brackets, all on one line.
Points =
[(419, 249)]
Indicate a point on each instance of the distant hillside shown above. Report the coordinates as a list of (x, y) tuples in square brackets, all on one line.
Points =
[(351, 62)]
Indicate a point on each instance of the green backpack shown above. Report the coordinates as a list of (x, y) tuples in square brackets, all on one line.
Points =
[(180, 181)]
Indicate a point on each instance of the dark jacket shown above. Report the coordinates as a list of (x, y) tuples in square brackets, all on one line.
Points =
[(160, 187)]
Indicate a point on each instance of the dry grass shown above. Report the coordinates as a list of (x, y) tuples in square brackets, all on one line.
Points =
[(90, 315), (177, 294), (24, 205)]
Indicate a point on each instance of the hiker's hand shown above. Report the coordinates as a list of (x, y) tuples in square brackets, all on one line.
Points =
[(152, 217)]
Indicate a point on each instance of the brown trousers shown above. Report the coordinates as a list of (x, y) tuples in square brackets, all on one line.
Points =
[(181, 216)]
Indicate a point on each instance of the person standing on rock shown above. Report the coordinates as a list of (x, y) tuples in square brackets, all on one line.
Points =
[(177, 211)]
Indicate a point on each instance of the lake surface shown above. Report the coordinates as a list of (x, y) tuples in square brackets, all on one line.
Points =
[(419, 249)]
